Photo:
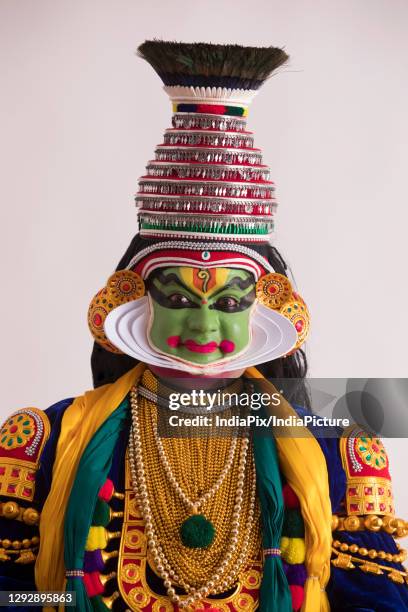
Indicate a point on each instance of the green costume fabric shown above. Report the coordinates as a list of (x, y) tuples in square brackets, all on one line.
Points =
[(274, 592), (92, 472)]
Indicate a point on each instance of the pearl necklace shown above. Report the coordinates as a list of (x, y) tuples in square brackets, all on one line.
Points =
[(194, 507), (224, 575)]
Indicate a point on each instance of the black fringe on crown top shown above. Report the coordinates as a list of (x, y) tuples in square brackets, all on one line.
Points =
[(208, 65)]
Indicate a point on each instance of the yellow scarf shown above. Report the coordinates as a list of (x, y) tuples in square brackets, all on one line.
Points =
[(304, 466), (80, 422), (301, 459)]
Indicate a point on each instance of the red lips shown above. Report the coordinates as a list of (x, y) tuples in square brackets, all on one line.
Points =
[(225, 346), (195, 347)]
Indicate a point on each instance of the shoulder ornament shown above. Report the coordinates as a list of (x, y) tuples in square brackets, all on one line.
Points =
[(365, 461), (22, 438)]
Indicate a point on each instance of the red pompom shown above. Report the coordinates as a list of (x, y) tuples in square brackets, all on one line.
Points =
[(106, 490), (93, 584), (298, 595), (290, 498)]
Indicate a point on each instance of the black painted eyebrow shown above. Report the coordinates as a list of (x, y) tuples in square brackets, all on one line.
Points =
[(236, 281), (166, 279), (162, 299)]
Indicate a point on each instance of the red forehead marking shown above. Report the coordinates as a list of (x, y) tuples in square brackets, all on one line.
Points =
[(204, 280)]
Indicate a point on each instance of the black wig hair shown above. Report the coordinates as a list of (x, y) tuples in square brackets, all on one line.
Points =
[(107, 367)]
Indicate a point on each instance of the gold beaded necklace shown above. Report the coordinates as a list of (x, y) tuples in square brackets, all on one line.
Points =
[(176, 477)]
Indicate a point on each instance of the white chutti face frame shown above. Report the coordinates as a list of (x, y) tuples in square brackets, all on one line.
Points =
[(273, 336)]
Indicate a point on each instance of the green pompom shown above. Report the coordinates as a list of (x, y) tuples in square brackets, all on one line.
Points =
[(197, 532), (101, 515), (293, 525)]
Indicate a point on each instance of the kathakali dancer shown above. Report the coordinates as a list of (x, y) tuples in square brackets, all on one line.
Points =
[(94, 500)]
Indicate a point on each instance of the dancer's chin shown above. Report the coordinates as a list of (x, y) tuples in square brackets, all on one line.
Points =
[(170, 373)]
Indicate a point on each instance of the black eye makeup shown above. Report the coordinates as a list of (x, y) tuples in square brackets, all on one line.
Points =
[(173, 300), (178, 300), (230, 303)]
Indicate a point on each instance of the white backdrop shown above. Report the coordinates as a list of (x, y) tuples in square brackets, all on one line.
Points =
[(80, 116)]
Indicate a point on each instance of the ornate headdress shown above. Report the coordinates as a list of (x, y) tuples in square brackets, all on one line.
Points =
[(206, 199)]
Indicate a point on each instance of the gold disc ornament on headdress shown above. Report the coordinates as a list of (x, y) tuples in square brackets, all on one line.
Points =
[(275, 291), (123, 286)]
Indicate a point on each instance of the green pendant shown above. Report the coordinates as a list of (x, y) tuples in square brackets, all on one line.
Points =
[(197, 532)]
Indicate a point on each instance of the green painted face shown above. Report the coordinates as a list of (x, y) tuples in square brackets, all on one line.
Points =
[(201, 316)]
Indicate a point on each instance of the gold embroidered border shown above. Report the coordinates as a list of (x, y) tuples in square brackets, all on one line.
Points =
[(388, 523), (369, 495), (141, 595), (17, 475), (347, 562), (17, 480)]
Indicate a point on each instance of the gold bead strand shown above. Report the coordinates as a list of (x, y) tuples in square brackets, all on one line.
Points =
[(199, 562), (163, 566), (195, 506)]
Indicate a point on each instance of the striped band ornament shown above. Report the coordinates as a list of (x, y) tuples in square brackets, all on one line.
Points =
[(211, 109), (208, 179), (272, 552), (169, 257), (209, 156), (76, 573), (207, 121), (213, 206), (183, 225), (235, 173), (204, 138)]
